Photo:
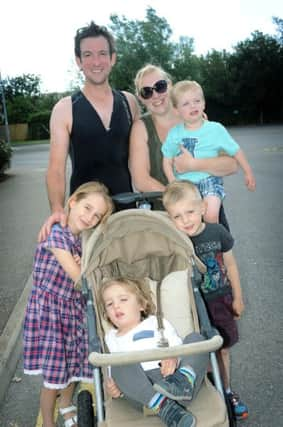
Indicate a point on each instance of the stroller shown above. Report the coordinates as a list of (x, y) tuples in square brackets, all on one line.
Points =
[(139, 243)]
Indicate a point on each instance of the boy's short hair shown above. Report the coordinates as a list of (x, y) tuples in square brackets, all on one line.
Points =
[(178, 190), (183, 86)]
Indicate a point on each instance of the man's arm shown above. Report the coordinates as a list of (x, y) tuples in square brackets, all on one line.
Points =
[(59, 146), (139, 161), (217, 166), (60, 125)]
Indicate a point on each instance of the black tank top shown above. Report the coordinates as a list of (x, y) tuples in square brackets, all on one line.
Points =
[(97, 153)]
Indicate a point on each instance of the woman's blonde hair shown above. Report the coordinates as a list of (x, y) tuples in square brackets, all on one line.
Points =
[(148, 69), (184, 86), (93, 187), (178, 190), (140, 288)]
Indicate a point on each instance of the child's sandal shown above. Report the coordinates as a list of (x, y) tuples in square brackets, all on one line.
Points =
[(72, 421)]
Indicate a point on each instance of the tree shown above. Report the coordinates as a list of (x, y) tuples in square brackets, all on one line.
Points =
[(21, 94), (185, 64), (256, 67), (139, 43), (215, 77), (279, 23)]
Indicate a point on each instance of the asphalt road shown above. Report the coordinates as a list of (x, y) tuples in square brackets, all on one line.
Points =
[(256, 223)]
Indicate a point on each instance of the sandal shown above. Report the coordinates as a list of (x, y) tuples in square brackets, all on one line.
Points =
[(72, 421)]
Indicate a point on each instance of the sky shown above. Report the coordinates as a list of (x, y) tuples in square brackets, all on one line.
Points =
[(36, 37)]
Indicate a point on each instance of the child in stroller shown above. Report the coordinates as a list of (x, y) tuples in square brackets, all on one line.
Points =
[(159, 385)]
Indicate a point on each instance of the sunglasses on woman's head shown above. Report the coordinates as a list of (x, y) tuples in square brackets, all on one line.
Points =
[(146, 92)]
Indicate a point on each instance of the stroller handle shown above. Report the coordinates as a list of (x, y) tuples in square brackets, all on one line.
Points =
[(125, 198), (126, 358)]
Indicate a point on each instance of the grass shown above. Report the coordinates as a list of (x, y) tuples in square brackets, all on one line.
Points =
[(33, 142)]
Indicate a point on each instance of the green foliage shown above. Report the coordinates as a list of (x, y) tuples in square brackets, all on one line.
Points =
[(5, 154), (39, 125), (139, 43), (279, 23), (21, 94), (27, 85), (257, 73)]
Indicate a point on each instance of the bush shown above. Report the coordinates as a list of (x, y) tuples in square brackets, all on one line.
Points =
[(39, 125), (5, 155)]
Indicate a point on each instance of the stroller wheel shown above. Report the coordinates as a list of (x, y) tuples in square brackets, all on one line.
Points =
[(232, 420), (86, 416)]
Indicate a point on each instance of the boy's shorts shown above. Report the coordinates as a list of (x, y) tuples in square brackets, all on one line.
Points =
[(222, 318), (212, 186)]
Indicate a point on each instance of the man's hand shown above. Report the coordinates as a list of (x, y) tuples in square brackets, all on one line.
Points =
[(59, 216)]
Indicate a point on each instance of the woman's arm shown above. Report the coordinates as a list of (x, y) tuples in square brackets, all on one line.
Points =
[(217, 166), (139, 162)]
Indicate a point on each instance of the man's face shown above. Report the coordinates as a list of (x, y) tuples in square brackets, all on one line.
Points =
[(95, 62)]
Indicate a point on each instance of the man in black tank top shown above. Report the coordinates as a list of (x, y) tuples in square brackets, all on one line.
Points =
[(93, 126), (98, 153)]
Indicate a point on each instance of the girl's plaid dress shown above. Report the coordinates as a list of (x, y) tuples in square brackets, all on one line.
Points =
[(55, 336)]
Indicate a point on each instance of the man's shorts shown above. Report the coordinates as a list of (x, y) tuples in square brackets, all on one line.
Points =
[(212, 186), (221, 315)]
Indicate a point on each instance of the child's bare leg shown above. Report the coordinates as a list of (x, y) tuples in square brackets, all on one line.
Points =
[(224, 366), (213, 204), (47, 406), (65, 401)]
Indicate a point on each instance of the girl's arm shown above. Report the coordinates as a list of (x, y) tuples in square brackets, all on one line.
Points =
[(234, 277), (68, 262), (168, 169), (249, 177)]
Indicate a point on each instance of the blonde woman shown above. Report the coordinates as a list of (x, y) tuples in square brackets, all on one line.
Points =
[(148, 134)]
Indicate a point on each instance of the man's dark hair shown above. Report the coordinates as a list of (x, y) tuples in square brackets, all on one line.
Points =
[(93, 30)]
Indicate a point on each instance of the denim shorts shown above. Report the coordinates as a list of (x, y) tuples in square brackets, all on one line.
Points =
[(221, 315), (212, 186)]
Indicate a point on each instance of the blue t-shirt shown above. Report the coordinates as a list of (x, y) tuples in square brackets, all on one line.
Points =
[(205, 142)]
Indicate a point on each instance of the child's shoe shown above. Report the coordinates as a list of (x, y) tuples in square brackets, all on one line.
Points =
[(175, 386), (174, 415), (239, 408)]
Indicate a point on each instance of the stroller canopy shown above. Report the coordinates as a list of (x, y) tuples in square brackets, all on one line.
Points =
[(137, 243)]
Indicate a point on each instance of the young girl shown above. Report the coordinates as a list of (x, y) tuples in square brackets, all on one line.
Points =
[(159, 385), (55, 340)]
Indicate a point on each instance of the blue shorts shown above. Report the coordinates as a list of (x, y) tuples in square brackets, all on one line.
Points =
[(212, 186)]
